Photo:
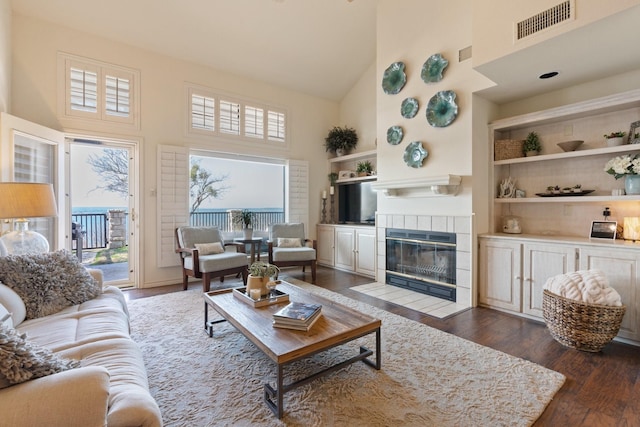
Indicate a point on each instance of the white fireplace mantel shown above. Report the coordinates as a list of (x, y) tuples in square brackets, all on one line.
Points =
[(443, 185)]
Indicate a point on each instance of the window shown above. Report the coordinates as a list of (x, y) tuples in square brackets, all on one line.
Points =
[(215, 114), (98, 91)]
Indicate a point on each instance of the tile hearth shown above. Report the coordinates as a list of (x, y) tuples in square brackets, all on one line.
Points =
[(426, 304)]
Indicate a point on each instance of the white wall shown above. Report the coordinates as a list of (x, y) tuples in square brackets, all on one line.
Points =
[(5, 55), (358, 110), (407, 33), (35, 77)]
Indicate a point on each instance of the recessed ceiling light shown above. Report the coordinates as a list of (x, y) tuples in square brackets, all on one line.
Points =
[(548, 75)]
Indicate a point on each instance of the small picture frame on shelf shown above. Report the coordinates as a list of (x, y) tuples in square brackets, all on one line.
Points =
[(633, 131), (603, 230)]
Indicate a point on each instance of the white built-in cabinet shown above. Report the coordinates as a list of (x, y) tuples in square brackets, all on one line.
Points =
[(513, 268), (347, 247)]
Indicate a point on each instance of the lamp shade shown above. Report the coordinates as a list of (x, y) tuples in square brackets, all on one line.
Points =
[(26, 200), (631, 230)]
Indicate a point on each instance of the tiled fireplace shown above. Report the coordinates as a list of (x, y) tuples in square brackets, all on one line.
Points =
[(459, 226)]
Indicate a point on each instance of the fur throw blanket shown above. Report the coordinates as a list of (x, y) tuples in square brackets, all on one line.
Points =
[(588, 286)]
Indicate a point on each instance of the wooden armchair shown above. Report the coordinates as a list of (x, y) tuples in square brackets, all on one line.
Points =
[(288, 247), (204, 254)]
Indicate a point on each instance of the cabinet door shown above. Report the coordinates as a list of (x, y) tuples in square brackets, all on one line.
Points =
[(366, 252), (345, 241), (622, 269), (500, 267), (542, 261), (326, 245)]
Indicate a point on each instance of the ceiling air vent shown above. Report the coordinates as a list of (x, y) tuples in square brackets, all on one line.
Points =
[(546, 19)]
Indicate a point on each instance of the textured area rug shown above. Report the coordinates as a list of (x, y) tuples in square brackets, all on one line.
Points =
[(428, 377)]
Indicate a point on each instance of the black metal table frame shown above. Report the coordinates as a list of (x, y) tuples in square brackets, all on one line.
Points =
[(271, 394)]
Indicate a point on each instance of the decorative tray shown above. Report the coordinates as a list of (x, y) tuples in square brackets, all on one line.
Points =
[(581, 193), (274, 297)]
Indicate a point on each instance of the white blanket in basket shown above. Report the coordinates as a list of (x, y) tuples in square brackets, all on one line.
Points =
[(588, 286)]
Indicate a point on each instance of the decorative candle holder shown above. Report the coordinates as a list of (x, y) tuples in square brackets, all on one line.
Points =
[(324, 211), (331, 212)]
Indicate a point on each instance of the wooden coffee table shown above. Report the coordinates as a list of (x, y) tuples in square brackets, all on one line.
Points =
[(338, 325)]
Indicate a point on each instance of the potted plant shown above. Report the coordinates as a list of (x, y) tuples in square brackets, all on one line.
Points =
[(260, 273), (614, 139), (340, 140), (364, 168), (531, 145), (245, 219)]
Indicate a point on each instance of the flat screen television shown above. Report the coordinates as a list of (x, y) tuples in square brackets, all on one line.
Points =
[(357, 203)]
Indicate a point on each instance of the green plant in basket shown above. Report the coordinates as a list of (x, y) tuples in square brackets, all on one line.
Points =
[(618, 134), (364, 167), (263, 269)]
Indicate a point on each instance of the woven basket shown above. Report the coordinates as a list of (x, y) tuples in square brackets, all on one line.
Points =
[(507, 149), (575, 324)]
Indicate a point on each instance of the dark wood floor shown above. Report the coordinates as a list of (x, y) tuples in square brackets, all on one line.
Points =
[(602, 389)]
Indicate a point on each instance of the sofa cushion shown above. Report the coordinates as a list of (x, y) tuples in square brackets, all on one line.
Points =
[(13, 303), (23, 360), (294, 254), (217, 262), (130, 403), (289, 242), (101, 318), (48, 282)]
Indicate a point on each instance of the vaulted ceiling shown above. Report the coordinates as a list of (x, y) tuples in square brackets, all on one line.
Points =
[(318, 47)]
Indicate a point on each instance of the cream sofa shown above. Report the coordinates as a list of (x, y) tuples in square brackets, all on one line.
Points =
[(109, 388)]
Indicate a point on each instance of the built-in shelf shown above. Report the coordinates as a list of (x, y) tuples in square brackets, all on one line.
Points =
[(443, 185), (569, 199), (579, 153), (354, 156)]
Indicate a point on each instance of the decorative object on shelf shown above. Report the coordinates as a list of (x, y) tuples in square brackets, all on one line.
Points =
[(244, 218), (409, 108), (260, 273), (341, 140), (395, 135), (394, 78), (531, 146), (415, 154), (631, 228), (442, 109), (22, 200), (520, 194), (364, 168), (507, 189), (346, 174), (634, 137), (505, 149), (433, 68), (511, 224), (570, 145), (614, 139), (632, 184), (557, 193), (626, 166)]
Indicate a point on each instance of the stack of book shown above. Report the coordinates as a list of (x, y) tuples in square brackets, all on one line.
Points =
[(297, 315)]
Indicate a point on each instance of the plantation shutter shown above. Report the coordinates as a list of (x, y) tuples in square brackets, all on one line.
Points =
[(229, 117), (297, 179), (117, 96), (253, 122), (84, 90), (276, 126), (173, 200), (202, 112)]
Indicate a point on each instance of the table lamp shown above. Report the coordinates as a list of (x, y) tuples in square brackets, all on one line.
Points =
[(22, 200)]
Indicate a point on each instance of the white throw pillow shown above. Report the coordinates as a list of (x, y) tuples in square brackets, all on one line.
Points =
[(289, 242), (13, 303), (209, 248)]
